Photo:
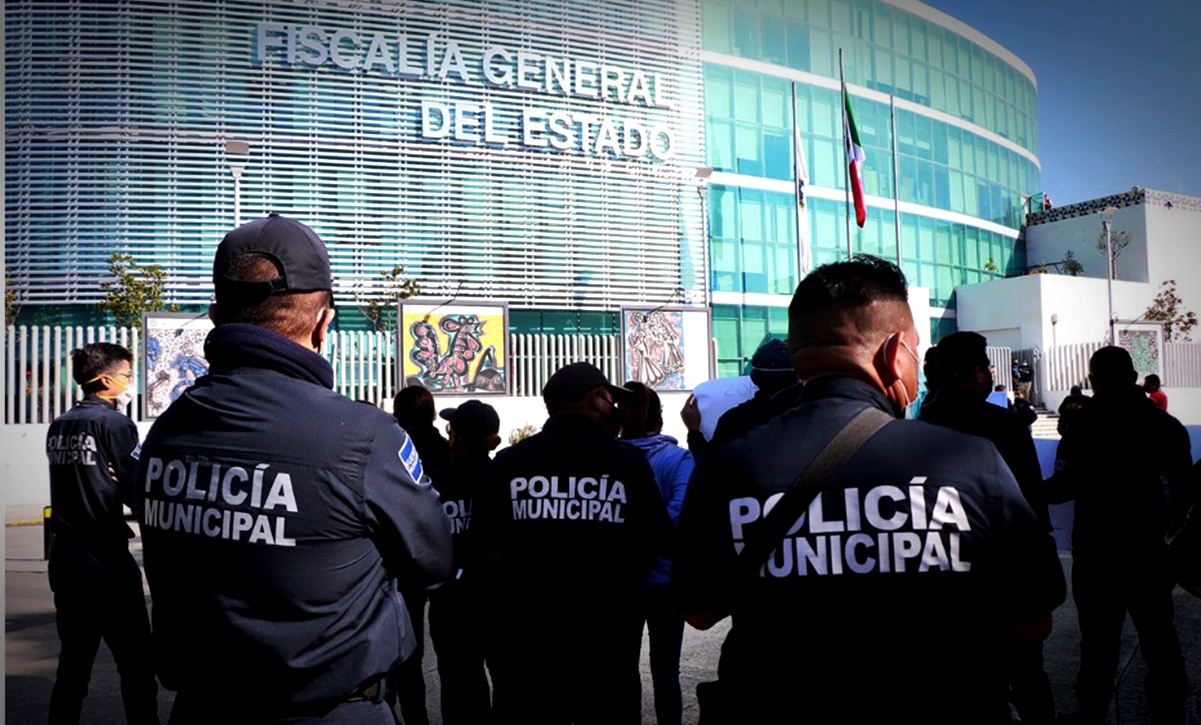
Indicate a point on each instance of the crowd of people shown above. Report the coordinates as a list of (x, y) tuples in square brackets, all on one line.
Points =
[(880, 557)]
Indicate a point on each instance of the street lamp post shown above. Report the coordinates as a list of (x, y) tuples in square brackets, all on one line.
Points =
[(1107, 223), (702, 175), (236, 152)]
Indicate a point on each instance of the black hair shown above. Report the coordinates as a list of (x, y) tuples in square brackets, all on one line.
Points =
[(642, 412), (1152, 382), (414, 405), (856, 283), (288, 313), (930, 369), (960, 353), (1112, 366), (93, 359)]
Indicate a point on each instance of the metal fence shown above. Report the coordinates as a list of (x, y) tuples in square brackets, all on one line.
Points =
[(38, 385), (1067, 365)]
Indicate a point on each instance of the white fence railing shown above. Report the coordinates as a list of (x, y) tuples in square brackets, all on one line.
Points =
[(1067, 365), (38, 385)]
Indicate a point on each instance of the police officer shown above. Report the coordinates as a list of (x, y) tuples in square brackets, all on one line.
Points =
[(96, 582), (456, 608), (279, 516), (890, 597), (570, 521), (1123, 499)]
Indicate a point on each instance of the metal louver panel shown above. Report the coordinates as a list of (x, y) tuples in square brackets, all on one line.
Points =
[(118, 115)]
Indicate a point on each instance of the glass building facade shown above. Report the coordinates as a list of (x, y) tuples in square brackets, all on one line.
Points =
[(540, 152), (965, 146)]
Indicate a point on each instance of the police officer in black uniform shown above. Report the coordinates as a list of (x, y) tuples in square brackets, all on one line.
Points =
[(890, 598), (96, 582), (457, 608), (570, 522), (279, 516)]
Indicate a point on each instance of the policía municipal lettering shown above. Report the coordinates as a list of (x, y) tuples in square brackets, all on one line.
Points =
[(883, 530), (573, 498), (207, 488)]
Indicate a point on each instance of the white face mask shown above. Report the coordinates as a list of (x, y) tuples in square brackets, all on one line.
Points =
[(124, 398)]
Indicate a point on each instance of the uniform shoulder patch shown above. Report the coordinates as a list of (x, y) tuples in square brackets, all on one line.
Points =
[(409, 458), (136, 453)]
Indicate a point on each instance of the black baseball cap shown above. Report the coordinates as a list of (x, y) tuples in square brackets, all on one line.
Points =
[(571, 382), (297, 249), (773, 357), (474, 419)]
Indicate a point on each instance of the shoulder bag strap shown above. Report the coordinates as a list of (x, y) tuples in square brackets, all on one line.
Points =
[(808, 482)]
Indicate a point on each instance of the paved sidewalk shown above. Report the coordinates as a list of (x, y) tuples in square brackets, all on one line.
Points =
[(31, 649)]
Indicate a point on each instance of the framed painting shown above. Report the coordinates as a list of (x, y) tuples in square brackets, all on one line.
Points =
[(666, 348), (456, 347), (1144, 342), (172, 357)]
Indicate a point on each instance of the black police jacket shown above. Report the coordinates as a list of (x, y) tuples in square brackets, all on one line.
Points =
[(890, 597), (81, 445), (1123, 461), (277, 518), (568, 512)]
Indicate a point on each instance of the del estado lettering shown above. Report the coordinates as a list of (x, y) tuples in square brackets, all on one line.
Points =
[(209, 498), (481, 123), (883, 529)]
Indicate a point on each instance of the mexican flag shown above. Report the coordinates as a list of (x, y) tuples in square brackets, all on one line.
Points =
[(855, 157)]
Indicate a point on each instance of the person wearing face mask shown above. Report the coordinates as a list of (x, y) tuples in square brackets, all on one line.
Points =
[(892, 595), (960, 403), (97, 585), (568, 524), (281, 520)]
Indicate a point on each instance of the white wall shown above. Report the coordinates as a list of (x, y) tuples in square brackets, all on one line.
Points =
[(27, 478), (1017, 312), (1176, 252), (1049, 243)]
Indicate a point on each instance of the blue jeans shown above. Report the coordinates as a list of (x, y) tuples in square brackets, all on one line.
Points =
[(665, 626)]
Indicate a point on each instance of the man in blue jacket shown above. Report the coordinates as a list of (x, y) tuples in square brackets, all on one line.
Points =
[(279, 516)]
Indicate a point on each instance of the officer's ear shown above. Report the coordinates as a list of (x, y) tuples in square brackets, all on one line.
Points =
[(493, 440), (324, 318), (213, 312)]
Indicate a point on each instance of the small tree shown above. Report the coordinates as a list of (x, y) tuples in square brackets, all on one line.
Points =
[(1168, 309), (991, 266), (133, 289), (1070, 265), (380, 308), (13, 300), (1118, 241)]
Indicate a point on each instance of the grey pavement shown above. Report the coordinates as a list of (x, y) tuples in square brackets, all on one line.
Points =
[(31, 649)]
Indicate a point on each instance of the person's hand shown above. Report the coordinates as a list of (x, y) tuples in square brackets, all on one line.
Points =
[(112, 473), (691, 414)]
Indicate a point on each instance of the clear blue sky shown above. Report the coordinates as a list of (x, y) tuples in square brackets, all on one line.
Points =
[(1119, 88)]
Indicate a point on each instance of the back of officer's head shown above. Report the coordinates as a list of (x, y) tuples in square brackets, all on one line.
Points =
[(1111, 368), (274, 273), (93, 360), (841, 312), (641, 411), (962, 362), (414, 406)]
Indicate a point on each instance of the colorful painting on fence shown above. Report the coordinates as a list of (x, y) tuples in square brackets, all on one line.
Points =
[(654, 348), (454, 348), (173, 357), (1143, 346), (666, 348)]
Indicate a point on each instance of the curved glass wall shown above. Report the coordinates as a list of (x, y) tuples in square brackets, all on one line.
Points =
[(749, 131), (884, 48)]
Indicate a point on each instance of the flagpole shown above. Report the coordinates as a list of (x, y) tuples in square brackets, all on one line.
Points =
[(799, 166), (846, 150), (896, 188)]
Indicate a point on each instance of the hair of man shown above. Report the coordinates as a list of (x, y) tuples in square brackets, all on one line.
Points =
[(1152, 382), (95, 359), (1111, 367), (294, 315), (414, 405), (852, 319)]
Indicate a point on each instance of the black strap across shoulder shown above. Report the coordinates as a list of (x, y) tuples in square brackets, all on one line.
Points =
[(808, 482)]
